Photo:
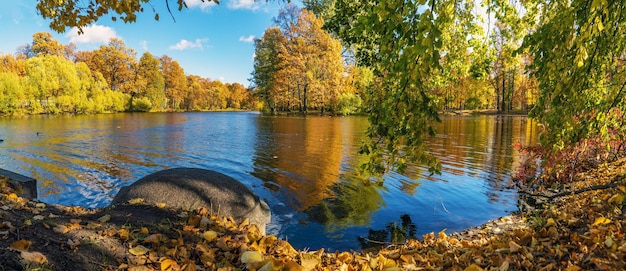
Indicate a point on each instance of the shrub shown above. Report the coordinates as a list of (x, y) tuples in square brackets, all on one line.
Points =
[(142, 104)]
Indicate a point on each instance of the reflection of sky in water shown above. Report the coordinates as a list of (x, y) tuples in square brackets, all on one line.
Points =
[(303, 167)]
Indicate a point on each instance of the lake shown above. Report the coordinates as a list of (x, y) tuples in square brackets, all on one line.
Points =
[(303, 167)]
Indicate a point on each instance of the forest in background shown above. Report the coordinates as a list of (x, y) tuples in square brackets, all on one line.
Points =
[(301, 64), (47, 77)]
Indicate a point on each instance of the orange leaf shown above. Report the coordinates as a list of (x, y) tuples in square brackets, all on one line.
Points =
[(22, 245), (33, 257), (473, 267), (169, 264)]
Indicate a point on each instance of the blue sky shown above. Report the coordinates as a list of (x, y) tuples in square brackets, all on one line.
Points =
[(212, 41)]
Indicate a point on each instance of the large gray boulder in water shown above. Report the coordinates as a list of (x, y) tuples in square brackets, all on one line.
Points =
[(192, 188)]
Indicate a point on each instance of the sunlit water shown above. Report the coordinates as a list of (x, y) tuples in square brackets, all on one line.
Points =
[(304, 167)]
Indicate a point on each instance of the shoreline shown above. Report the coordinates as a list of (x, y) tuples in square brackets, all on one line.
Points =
[(573, 232)]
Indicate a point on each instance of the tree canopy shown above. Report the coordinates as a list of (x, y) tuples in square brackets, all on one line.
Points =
[(48, 77)]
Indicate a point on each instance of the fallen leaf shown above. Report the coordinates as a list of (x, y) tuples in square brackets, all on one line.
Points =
[(617, 199), (550, 222), (251, 257), (160, 205), (93, 226), (104, 218), (139, 250), (123, 233), (209, 235), (40, 205), (514, 247), (167, 264), (144, 231), (33, 257), (61, 229), (153, 238), (573, 268), (473, 267), (22, 245), (136, 201), (139, 268), (38, 217), (601, 221)]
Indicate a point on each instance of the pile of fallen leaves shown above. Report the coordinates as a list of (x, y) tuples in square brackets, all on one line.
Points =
[(580, 231)]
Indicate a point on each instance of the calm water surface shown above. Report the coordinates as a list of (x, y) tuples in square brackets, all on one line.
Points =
[(304, 167)]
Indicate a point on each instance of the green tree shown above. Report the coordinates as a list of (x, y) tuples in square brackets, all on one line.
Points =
[(579, 51), (150, 83), (266, 65), (11, 95)]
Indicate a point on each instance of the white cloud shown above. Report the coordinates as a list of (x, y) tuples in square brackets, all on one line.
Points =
[(244, 4), (203, 5), (248, 39), (144, 45), (92, 34), (185, 44)]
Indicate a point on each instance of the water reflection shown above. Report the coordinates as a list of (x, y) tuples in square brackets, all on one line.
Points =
[(305, 167), (392, 234)]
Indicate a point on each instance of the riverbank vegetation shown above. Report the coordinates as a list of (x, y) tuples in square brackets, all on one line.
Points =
[(46, 77)]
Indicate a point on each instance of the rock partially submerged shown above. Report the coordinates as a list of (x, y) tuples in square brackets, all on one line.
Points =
[(192, 188)]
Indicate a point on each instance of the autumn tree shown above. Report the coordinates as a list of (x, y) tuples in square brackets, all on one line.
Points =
[(116, 62), (13, 64), (175, 82), (266, 66), (44, 44), (300, 66), (237, 96), (149, 83)]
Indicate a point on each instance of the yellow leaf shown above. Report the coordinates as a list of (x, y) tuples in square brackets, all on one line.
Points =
[(617, 199), (473, 267), (104, 218), (13, 196), (136, 201), (22, 245), (123, 233), (209, 235), (550, 222), (138, 250), (33, 257), (38, 217), (601, 221), (251, 257), (160, 205), (167, 264), (144, 231)]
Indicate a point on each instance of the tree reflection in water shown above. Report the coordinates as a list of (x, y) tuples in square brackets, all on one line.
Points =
[(392, 234)]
